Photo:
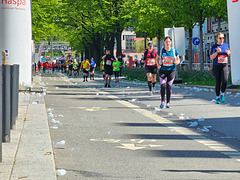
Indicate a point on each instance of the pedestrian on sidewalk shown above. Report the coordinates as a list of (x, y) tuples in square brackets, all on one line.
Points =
[(116, 69), (150, 55), (108, 67), (85, 65), (168, 58), (219, 55), (92, 68)]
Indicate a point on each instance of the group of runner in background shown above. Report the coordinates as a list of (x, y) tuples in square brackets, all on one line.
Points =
[(74, 67), (163, 61)]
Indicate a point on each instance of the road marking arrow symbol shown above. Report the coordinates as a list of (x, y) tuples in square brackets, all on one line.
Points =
[(130, 147)]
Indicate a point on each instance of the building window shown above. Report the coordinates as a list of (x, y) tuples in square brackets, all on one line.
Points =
[(129, 42)]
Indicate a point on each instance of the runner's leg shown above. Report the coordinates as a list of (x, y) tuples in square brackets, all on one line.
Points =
[(149, 78), (170, 80), (217, 75), (224, 78)]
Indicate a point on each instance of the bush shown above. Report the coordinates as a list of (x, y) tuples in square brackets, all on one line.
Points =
[(134, 74), (191, 77), (199, 77)]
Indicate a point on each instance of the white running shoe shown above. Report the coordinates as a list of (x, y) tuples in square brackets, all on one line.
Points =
[(150, 93), (153, 90)]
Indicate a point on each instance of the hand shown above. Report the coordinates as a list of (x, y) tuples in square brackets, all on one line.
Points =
[(219, 50), (228, 52), (158, 66)]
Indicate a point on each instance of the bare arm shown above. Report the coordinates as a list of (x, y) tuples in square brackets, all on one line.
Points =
[(157, 61), (177, 60)]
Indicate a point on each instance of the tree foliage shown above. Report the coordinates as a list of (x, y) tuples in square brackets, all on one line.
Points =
[(92, 25)]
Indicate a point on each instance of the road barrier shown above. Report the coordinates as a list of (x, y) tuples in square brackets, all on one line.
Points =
[(9, 87)]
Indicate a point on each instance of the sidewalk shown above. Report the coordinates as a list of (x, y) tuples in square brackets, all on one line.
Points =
[(24, 157)]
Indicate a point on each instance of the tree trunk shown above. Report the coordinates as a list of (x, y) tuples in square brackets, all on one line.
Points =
[(119, 42), (190, 49), (82, 56), (87, 52), (158, 41), (109, 42)]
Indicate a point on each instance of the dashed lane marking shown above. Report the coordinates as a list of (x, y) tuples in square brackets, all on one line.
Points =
[(217, 146)]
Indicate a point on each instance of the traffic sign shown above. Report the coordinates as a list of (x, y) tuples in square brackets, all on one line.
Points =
[(196, 41)]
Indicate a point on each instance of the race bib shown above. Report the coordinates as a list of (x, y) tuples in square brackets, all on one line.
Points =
[(151, 62), (109, 62), (222, 59), (167, 61)]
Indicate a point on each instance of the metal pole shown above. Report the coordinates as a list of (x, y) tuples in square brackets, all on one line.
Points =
[(174, 44), (14, 94), (6, 104), (1, 111), (11, 95), (51, 47)]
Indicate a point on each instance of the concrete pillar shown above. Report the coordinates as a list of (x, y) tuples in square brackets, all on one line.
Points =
[(16, 35), (234, 36)]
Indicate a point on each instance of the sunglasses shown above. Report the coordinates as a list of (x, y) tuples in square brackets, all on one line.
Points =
[(221, 38)]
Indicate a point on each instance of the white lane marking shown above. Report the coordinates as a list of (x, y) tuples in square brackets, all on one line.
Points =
[(181, 130), (222, 148)]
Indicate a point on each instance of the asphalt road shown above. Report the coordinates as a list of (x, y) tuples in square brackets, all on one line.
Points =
[(120, 132)]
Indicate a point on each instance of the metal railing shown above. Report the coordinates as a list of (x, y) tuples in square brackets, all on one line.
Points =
[(196, 66)]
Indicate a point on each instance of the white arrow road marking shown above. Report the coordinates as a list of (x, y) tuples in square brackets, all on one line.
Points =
[(130, 147)]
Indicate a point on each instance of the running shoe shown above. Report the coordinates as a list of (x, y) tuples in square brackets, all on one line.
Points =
[(162, 104), (168, 105), (106, 85), (109, 86), (222, 98), (84, 80), (218, 100), (154, 90), (150, 93)]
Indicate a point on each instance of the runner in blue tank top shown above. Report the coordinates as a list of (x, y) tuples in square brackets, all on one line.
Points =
[(219, 55), (169, 58)]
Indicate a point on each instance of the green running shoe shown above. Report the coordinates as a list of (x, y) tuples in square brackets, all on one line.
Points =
[(222, 98)]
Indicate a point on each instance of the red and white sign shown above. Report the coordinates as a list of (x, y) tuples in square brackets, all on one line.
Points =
[(14, 2)]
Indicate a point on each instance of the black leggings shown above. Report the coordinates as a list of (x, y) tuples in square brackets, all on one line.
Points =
[(166, 81), (220, 72), (116, 73)]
